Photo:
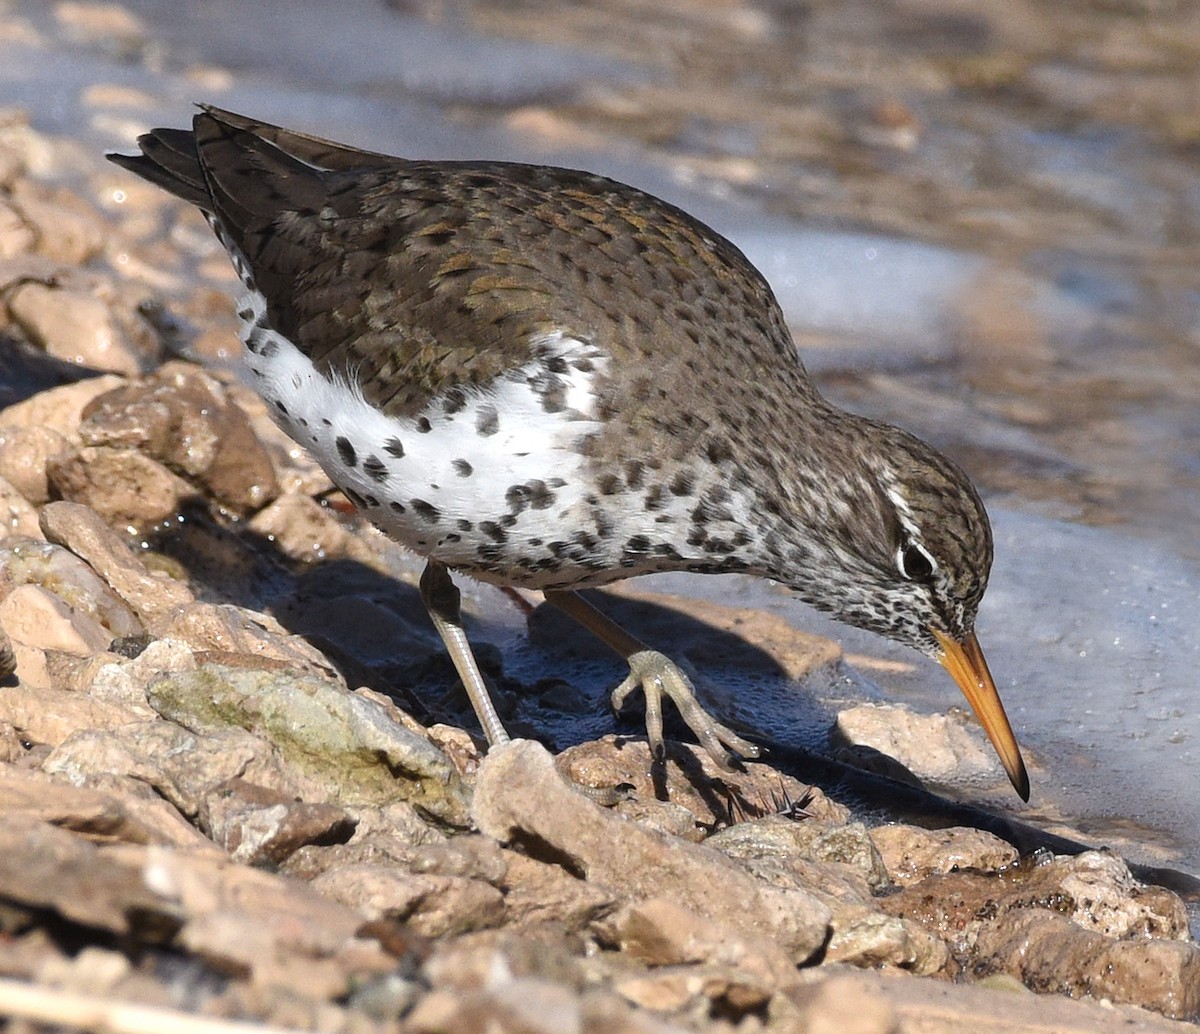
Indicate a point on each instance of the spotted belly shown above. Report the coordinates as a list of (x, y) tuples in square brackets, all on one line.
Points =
[(492, 481)]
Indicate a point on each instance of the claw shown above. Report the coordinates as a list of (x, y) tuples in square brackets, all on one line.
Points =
[(657, 675)]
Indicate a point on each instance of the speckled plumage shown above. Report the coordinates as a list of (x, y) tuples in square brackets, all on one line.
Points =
[(545, 378)]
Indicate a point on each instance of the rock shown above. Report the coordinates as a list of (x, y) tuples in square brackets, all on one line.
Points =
[(102, 817), (58, 409), (82, 531), (47, 868), (122, 485), (1094, 889), (844, 844), (23, 455), (305, 530), (841, 1005), (700, 797), (686, 991), (911, 853), (68, 579), (18, 519), (658, 932), (74, 326), (522, 1006), (46, 714), (178, 765), (16, 235), (35, 617), (65, 228), (935, 747), (520, 797), (536, 892), (240, 637), (346, 743), (431, 905), (1049, 952), (250, 923), (181, 417), (258, 825)]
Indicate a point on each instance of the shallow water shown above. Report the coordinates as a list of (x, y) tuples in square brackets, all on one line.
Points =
[(983, 228)]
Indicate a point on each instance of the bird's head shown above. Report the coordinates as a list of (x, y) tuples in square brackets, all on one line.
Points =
[(904, 547)]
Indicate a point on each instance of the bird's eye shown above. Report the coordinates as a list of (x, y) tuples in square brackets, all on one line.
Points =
[(915, 563)]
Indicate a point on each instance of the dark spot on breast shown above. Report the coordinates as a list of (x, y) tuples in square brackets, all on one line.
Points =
[(683, 483), (372, 501), (453, 401), (487, 421), (426, 511), (355, 498), (326, 422), (609, 484), (463, 525), (394, 447), (280, 406), (654, 498), (493, 531), (719, 451), (424, 426), (375, 468), (452, 537), (634, 470), (462, 468), (346, 451), (638, 544), (396, 507)]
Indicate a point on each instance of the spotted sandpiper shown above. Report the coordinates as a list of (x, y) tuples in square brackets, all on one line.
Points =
[(547, 379)]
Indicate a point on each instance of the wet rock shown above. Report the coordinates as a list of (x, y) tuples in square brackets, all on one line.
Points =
[(911, 853), (74, 326), (23, 455), (18, 518), (935, 748), (700, 797), (305, 530), (181, 417), (122, 485), (1050, 953), (81, 530), (432, 905), (67, 578), (520, 797), (347, 743), (58, 409)]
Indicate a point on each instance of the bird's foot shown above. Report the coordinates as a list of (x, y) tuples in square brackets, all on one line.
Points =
[(657, 675)]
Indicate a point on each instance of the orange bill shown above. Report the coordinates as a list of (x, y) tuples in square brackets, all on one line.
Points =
[(965, 663)]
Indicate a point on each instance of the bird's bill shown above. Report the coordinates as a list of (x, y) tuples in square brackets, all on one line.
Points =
[(965, 663)]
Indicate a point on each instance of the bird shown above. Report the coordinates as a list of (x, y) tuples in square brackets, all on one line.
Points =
[(545, 379)]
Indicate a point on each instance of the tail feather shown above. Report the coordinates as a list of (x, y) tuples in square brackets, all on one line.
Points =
[(169, 160)]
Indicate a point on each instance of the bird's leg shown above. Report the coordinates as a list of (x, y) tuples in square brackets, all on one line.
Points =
[(441, 598), (657, 675)]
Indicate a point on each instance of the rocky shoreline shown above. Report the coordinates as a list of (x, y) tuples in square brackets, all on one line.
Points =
[(203, 810)]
